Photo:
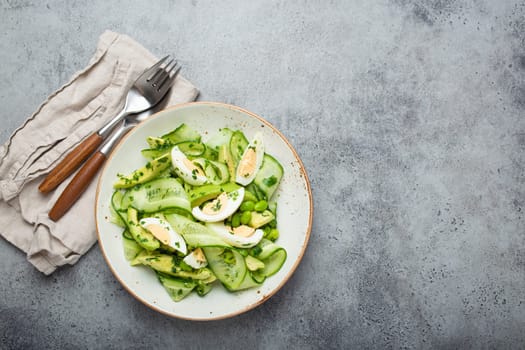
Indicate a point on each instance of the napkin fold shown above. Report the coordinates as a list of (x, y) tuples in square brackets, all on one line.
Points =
[(93, 96)]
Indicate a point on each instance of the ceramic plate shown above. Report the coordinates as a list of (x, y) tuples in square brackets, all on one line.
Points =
[(294, 213)]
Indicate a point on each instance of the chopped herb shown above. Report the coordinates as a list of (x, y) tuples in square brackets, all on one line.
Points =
[(233, 195), (270, 181), (256, 250), (216, 206)]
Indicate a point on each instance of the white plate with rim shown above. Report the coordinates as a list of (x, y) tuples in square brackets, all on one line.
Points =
[(294, 210)]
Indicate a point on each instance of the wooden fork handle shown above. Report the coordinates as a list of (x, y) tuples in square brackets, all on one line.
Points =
[(70, 163), (77, 186)]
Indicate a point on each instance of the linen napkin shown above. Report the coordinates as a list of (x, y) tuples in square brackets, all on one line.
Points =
[(80, 107)]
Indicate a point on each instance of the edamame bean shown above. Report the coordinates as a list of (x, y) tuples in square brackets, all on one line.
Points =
[(273, 235), (236, 219), (261, 206), (246, 217), (248, 196), (247, 206)]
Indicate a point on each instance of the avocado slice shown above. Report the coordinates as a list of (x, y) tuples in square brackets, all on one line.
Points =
[(261, 219), (167, 264), (201, 194), (253, 264), (152, 169), (226, 157), (157, 142), (144, 238)]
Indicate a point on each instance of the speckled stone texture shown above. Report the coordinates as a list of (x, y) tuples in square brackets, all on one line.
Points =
[(410, 119)]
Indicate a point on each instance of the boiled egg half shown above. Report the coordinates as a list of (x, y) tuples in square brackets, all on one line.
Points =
[(221, 207), (242, 236), (163, 231), (251, 161), (186, 169), (196, 259)]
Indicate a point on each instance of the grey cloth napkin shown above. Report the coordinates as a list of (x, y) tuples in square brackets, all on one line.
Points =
[(73, 112)]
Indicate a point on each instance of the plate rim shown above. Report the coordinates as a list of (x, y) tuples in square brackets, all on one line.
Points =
[(302, 171)]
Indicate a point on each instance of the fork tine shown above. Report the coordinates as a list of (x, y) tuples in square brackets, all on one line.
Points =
[(159, 74), (169, 67), (168, 77), (154, 69)]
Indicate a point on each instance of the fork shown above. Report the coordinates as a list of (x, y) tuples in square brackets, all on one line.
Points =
[(161, 80), (149, 88), (87, 172)]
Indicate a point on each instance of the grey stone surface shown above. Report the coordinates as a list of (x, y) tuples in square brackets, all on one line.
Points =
[(410, 119)]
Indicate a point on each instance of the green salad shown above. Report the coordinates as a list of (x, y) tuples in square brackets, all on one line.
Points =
[(201, 213)]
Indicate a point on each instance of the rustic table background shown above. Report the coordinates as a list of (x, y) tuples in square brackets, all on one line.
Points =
[(410, 119)]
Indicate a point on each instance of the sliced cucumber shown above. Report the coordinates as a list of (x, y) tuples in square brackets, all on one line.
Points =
[(118, 214), (182, 133), (274, 262), (256, 191), (269, 176), (238, 143), (191, 148), (131, 247), (210, 153), (177, 288), (222, 137), (195, 234), (216, 172), (272, 255), (152, 153), (231, 275), (157, 195), (249, 281)]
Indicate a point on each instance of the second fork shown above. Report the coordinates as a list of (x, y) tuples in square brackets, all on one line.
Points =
[(149, 88)]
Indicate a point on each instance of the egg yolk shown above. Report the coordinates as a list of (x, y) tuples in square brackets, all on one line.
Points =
[(199, 255), (243, 231), (247, 163), (159, 232), (217, 205), (192, 167)]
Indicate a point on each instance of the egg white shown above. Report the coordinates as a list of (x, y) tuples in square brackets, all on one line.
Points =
[(196, 259), (246, 169), (232, 203), (164, 233), (227, 235), (189, 174)]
